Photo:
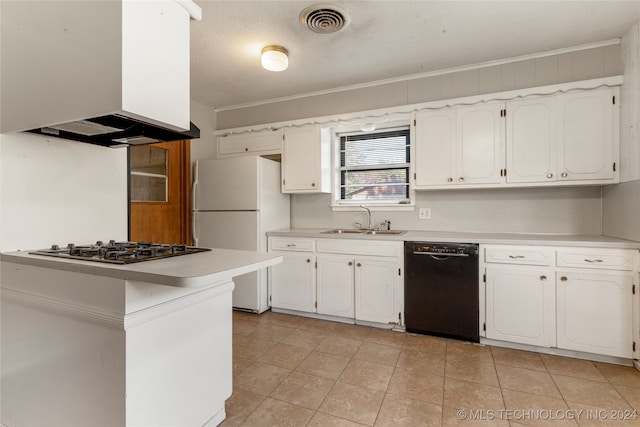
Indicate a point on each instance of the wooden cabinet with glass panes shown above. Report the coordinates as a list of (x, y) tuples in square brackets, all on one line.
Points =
[(149, 169)]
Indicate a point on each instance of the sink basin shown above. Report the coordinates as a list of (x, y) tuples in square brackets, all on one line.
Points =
[(395, 232)]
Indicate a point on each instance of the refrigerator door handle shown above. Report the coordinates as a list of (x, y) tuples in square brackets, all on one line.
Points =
[(194, 236), (194, 187)]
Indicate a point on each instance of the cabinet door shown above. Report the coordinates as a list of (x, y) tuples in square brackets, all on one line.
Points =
[(520, 305), (594, 313), (335, 285), (292, 282), (480, 148), (377, 290), (585, 135), (301, 160), (435, 148), (531, 140), (250, 143)]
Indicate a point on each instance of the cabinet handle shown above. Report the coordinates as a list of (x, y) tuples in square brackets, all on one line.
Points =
[(593, 260), (350, 263), (563, 278), (461, 179), (313, 184), (450, 180), (564, 174), (549, 175), (516, 256), (308, 260), (358, 265), (291, 245), (246, 149), (543, 277)]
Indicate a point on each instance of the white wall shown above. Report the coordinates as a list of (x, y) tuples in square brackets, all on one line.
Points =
[(58, 191)]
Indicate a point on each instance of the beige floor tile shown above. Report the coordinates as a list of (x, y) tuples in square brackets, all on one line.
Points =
[(471, 396), (377, 353), (261, 378), (323, 365), (517, 358), (305, 339), (320, 419), (479, 352), (243, 326), (283, 319), (421, 362), (250, 348), (353, 403), (303, 390), (285, 356), (318, 326), (354, 332), (240, 364), (469, 369), (528, 381), (454, 417), (425, 343), (620, 375), (367, 374), (428, 388), (386, 337), (339, 345), (272, 333), (589, 392), (276, 413), (535, 410), (571, 367), (630, 394), (398, 410), (240, 405), (592, 416)]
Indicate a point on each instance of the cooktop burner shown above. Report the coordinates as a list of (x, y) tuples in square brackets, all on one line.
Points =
[(119, 252)]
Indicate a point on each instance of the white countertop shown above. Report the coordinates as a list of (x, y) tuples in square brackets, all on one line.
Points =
[(192, 270), (470, 237)]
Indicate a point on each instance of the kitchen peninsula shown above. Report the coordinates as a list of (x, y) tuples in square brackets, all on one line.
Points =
[(103, 344)]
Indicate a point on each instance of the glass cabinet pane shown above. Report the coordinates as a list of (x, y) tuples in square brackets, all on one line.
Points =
[(149, 166)]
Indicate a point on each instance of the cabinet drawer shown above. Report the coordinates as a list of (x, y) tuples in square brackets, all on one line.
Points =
[(524, 255), (360, 247), (609, 259), (300, 245)]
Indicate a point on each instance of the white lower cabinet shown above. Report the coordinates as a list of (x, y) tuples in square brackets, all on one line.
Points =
[(595, 312), (335, 280), (520, 305), (348, 278), (580, 299)]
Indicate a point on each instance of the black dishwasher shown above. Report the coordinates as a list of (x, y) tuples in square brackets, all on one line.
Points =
[(441, 289)]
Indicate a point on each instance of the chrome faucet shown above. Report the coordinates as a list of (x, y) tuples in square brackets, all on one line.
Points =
[(370, 226)]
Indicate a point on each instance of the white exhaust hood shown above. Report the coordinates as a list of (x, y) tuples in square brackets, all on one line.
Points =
[(121, 64)]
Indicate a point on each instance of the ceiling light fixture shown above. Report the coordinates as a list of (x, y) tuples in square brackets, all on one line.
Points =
[(275, 58)]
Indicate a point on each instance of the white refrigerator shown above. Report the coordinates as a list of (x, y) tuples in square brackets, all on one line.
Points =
[(235, 202)]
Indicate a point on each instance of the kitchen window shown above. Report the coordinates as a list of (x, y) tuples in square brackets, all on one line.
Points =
[(374, 168)]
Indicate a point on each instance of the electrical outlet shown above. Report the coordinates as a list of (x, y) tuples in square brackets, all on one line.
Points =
[(424, 213)]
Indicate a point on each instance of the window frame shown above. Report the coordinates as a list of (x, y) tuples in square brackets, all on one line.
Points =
[(338, 204)]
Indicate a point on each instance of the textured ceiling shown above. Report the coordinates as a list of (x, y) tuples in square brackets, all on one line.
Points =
[(385, 40)]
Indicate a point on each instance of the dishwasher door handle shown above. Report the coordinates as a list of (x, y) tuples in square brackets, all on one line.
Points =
[(445, 256)]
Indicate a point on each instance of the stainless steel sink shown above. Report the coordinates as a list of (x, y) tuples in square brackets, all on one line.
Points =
[(343, 231)]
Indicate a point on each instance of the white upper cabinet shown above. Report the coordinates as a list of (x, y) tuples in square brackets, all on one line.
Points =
[(250, 143), (480, 139), (459, 146), (306, 157), (585, 135), (435, 153), (531, 140)]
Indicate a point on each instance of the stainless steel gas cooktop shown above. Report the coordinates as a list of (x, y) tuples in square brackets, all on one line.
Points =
[(119, 252)]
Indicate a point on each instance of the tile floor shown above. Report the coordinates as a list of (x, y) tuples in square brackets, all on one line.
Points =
[(295, 371)]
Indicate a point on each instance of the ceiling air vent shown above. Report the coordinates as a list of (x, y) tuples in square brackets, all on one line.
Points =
[(324, 18)]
